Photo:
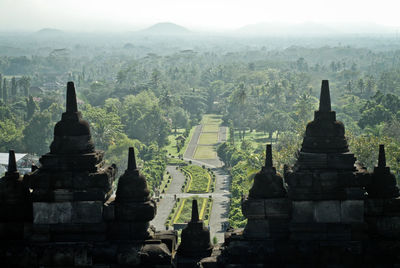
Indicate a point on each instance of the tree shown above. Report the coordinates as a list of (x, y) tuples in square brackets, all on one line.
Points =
[(10, 135), (31, 107), (13, 88), (1, 88), (5, 94), (106, 127), (179, 118), (304, 107), (113, 105), (144, 120), (117, 152), (25, 83), (38, 133), (374, 116), (121, 76), (361, 86), (155, 79)]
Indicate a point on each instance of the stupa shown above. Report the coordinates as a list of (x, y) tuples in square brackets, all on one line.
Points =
[(15, 205), (195, 240)]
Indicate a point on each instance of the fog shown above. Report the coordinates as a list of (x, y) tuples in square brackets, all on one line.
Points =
[(206, 15)]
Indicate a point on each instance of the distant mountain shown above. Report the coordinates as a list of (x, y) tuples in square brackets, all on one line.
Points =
[(49, 31), (165, 28), (306, 28), (311, 28)]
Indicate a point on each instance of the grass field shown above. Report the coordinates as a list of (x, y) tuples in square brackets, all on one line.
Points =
[(205, 152), (200, 179), (211, 119), (208, 138), (256, 138), (210, 128), (184, 212)]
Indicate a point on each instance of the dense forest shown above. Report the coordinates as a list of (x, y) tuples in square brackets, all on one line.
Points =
[(138, 91)]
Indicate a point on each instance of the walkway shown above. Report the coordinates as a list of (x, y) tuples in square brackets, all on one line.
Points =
[(166, 204), (191, 148), (221, 195)]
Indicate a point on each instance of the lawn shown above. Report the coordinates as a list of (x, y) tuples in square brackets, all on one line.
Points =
[(184, 212), (210, 128), (256, 138), (205, 152), (211, 119), (176, 162), (208, 138), (200, 179)]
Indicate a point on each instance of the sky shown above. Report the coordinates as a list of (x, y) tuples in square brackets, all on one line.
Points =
[(125, 15)]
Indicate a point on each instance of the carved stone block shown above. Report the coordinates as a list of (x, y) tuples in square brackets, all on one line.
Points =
[(253, 208), (327, 211), (277, 208), (87, 212), (352, 211), (52, 213), (257, 228), (302, 211)]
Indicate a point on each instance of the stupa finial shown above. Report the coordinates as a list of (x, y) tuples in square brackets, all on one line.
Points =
[(195, 211), (71, 98), (382, 156), (131, 159), (268, 157), (12, 164), (325, 98)]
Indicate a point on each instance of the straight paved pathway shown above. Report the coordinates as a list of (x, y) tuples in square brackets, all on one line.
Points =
[(191, 148), (167, 202), (221, 195)]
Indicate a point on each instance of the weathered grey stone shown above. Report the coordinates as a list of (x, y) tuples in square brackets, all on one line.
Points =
[(109, 212), (135, 211), (155, 254), (253, 208), (63, 195), (209, 262), (353, 193), (302, 211), (374, 207), (257, 228), (327, 211), (128, 255), (329, 180), (389, 227), (82, 258), (352, 211), (87, 212), (52, 213), (67, 212), (277, 208)]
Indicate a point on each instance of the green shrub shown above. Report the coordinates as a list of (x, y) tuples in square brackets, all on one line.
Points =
[(215, 240)]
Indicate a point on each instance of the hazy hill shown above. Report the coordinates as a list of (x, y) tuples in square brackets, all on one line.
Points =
[(307, 28), (311, 28), (49, 31), (165, 28)]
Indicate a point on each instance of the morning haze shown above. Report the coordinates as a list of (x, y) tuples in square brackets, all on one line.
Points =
[(230, 133)]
